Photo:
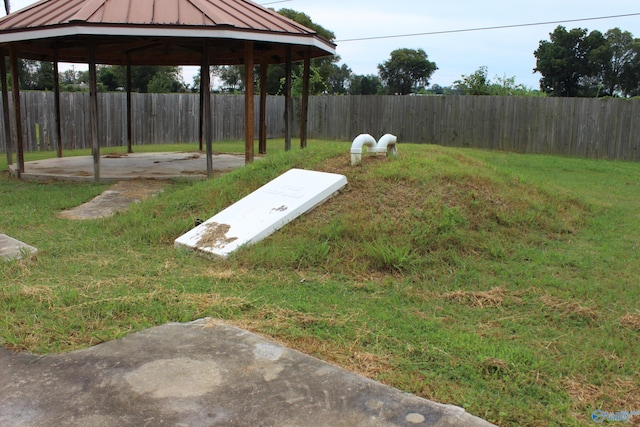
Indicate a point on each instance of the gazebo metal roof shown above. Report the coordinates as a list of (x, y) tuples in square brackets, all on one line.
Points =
[(156, 32), (160, 32)]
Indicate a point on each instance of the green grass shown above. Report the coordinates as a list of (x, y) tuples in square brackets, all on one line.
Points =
[(502, 283)]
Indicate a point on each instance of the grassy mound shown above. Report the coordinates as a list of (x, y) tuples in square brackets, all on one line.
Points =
[(430, 209)]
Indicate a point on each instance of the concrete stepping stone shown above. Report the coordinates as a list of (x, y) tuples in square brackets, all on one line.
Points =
[(11, 248)]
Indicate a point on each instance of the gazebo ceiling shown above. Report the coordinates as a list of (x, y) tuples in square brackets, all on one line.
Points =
[(156, 32)]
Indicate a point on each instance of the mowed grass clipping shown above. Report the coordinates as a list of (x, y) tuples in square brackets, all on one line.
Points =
[(502, 283)]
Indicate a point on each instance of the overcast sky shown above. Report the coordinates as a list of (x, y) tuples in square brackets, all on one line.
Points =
[(505, 52)]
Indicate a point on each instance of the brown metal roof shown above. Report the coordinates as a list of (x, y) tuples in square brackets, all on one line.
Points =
[(155, 31), (236, 13)]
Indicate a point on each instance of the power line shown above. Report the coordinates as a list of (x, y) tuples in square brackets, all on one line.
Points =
[(274, 2), (499, 27)]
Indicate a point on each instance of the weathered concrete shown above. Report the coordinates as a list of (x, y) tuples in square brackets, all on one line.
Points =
[(115, 199), (119, 167), (11, 248), (262, 212), (202, 373)]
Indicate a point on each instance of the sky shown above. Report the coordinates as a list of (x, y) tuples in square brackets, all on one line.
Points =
[(506, 52)]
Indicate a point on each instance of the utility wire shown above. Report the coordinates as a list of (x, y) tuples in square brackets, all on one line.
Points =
[(274, 2), (499, 27)]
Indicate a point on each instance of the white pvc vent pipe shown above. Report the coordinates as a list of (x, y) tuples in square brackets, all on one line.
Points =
[(386, 145)]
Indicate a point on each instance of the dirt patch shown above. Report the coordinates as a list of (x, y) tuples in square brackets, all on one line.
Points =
[(215, 236), (569, 309), (631, 321), (191, 157), (491, 298), (495, 368), (37, 292), (617, 394), (116, 199)]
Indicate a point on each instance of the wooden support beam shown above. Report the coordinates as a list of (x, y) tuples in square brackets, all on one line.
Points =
[(56, 95), (262, 126), (287, 100), (249, 114), (200, 115), (15, 91), (93, 113), (205, 88), (5, 110), (304, 109), (129, 108)]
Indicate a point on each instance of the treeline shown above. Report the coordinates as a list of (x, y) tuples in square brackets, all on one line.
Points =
[(37, 75), (573, 63), (582, 64)]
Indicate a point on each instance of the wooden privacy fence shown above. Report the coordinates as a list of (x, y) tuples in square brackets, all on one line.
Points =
[(156, 119), (584, 127)]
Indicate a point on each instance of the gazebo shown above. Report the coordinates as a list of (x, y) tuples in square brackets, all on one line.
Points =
[(158, 32)]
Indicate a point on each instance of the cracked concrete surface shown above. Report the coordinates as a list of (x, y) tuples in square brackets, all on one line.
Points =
[(202, 373)]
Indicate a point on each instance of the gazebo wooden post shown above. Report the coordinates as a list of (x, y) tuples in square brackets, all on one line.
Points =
[(262, 126), (249, 113), (56, 92), (5, 110), (93, 116), (15, 90), (287, 100), (205, 88), (129, 108), (200, 114), (304, 108)]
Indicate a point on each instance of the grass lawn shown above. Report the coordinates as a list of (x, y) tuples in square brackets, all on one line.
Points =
[(503, 283)]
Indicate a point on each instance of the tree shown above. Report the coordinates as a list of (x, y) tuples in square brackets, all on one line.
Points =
[(27, 70), (337, 77), (69, 77), (631, 71), (436, 89), (317, 82), (325, 75), (570, 62), (109, 78), (574, 63), (507, 86), (142, 76), (147, 78), (44, 76), (479, 83), (365, 85), (407, 71), (232, 77), (474, 84), (166, 82), (620, 61)]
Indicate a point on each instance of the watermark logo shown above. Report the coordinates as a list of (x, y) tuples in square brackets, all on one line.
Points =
[(600, 416)]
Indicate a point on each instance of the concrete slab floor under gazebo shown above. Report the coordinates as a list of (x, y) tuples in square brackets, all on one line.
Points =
[(158, 166), (157, 32)]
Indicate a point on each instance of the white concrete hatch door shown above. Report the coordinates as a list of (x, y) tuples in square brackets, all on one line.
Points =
[(262, 212)]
